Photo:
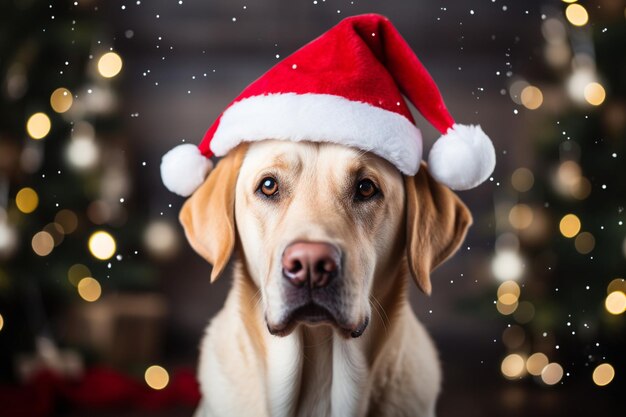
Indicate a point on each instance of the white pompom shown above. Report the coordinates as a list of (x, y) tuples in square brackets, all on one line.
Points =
[(184, 168), (462, 158)]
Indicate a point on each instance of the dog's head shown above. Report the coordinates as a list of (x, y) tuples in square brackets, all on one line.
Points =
[(322, 228)]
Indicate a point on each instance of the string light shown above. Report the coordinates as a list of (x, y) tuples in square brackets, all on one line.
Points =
[(61, 100), (512, 366), (156, 377), (531, 97), (552, 373), (594, 94), (603, 374), (615, 303), (536, 362), (26, 200), (109, 65), (38, 125), (42, 243), (576, 14), (102, 245), (569, 225), (89, 289)]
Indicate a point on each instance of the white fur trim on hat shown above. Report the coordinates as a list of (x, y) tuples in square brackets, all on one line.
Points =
[(184, 168), (321, 118), (462, 158)]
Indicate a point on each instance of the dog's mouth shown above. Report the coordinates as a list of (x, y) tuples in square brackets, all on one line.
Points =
[(313, 314)]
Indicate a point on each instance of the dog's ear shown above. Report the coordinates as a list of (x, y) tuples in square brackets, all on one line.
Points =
[(437, 221), (208, 216)]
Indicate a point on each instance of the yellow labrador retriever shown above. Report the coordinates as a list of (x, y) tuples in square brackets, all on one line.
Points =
[(323, 239)]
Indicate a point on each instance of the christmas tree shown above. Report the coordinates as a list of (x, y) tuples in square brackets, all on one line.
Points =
[(561, 251)]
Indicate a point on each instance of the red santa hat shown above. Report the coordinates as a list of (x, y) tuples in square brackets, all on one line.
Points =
[(345, 87)]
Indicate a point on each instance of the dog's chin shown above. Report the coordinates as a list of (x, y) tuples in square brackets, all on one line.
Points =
[(312, 315)]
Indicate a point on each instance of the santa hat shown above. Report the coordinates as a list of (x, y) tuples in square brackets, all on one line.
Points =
[(345, 87)]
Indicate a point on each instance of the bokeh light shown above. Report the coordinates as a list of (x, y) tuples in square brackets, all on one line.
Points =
[(569, 225), (576, 14), (512, 366), (531, 97), (594, 94), (521, 216), (603, 374), (618, 284), (506, 309), (509, 287), (581, 189), (507, 265), (552, 373), (89, 289), (68, 220), (513, 337), (161, 239), (156, 377), (61, 100), (1, 322), (109, 65), (42, 243), (38, 125), (56, 231), (522, 179), (536, 362), (615, 302), (26, 200), (584, 243), (77, 272), (102, 245), (525, 312), (82, 152)]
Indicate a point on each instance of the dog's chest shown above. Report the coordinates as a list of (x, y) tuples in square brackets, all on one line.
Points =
[(316, 374)]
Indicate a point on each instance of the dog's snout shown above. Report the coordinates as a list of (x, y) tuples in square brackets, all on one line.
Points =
[(312, 263)]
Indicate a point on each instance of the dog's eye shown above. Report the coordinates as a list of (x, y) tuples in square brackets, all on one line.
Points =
[(268, 186), (365, 189)]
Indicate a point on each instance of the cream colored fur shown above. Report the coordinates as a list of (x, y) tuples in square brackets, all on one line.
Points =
[(392, 369)]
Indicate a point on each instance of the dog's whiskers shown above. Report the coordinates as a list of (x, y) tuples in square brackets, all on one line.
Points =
[(380, 311)]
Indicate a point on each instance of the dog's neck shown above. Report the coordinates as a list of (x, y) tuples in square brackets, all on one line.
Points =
[(314, 370)]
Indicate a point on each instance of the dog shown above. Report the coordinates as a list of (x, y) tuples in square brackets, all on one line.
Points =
[(322, 239)]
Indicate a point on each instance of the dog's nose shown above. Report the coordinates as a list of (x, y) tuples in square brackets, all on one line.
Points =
[(315, 263)]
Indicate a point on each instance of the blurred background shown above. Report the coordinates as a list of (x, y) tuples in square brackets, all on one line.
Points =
[(102, 301)]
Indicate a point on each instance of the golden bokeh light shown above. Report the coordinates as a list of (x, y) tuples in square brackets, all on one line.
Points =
[(569, 225), (68, 220), (77, 272), (102, 245), (581, 189), (618, 284), (584, 243), (42, 243), (536, 362), (552, 373), (38, 125), (521, 216), (26, 200), (594, 94), (569, 1), (513, 366), (576, 14), (61, 100), (156, 377), (603, 374), (531, 97), (569, 174), (109, 65), (89, 289), (509, 287), (1, 322), (507, 265), (506, 309), (56, 231), (615, 302), (522, 179)]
